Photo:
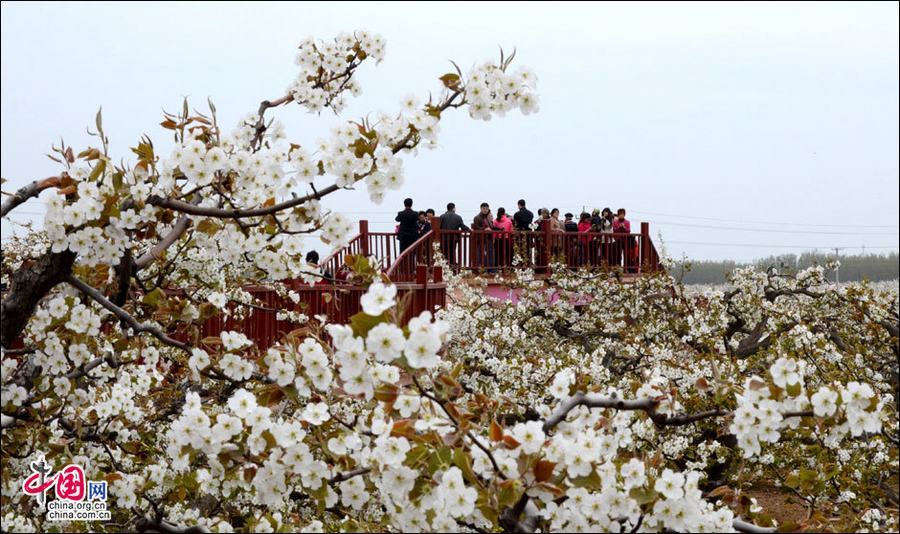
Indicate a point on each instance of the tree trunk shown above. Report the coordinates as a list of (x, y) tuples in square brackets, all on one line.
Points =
[(27, 288)]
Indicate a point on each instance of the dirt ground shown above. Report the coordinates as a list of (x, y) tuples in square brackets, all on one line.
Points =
[(780, 505)]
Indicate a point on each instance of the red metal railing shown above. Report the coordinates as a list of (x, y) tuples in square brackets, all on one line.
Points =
[(383, 246), (335, 262), (339, 302), (489, 252)]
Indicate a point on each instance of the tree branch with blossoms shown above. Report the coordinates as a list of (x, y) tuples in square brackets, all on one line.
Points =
[(125, 317)]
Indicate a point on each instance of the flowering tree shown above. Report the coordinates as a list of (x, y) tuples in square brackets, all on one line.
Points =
[(642, 409), (767, 383)]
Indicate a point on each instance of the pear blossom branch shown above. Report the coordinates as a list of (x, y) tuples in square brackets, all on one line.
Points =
[(340, 477), (469, 434), (181, 226), (260, 126), (31, 190), (125, 316), (192, 209), (758, 340), (647, 405), (110, 358)]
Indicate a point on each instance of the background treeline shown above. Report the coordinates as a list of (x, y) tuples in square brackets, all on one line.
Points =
[(873, 267)]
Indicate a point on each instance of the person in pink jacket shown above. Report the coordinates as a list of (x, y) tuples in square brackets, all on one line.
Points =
[(503, 222), (620, 223), (504, 225)]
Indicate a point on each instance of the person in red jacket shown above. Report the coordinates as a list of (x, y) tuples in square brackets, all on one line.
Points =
[(584, 226)]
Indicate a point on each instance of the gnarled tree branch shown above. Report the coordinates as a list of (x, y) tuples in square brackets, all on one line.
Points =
[(28, 286), (29, 191)]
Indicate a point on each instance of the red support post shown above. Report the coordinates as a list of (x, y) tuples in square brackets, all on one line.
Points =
[(420, 291), (645, 247), (435, 238), (364, 236), (436, 228), (421, 274)]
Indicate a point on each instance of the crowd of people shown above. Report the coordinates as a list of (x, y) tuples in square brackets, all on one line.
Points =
[(496, 239)]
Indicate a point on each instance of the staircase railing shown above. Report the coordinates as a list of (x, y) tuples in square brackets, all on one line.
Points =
[(403, 269)]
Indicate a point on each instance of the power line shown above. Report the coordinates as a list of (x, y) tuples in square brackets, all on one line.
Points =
[(766, 222), (768, 230), (771, 246)]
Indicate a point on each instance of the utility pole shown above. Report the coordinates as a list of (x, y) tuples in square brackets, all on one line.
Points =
[(837, 271)]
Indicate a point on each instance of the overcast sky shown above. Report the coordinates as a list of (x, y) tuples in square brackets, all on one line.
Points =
[(737, 130)]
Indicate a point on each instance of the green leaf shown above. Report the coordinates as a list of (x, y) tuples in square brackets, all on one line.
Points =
[(489, 513), (207, 310), (808, 475), (98, 170), (445, 455), (440, 460), (361, 147), (416, 455), (643, 495), (463, 461), (144, 151), (450, 80), (362, 322), (792, 481), (208, 226), (592, 481), (360, 265), (154, 297), (270, 439), (190, 482), (508, 494)]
